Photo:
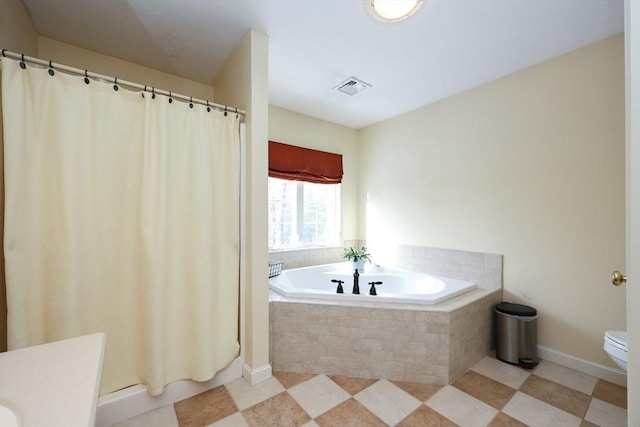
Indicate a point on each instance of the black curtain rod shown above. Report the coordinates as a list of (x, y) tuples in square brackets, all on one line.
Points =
[(87, 74)]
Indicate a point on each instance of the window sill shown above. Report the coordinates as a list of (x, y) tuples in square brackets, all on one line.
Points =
[(304, 248)]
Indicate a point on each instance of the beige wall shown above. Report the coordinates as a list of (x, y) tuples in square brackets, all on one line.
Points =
[(244, 83), (293, 128), (63, 53), (530, 166), (17, 34)]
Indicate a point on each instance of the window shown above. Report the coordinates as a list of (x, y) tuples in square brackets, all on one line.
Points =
[(304, 197), (303, 214)]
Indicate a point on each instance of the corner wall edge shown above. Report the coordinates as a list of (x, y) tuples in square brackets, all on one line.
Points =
[(256, 376)]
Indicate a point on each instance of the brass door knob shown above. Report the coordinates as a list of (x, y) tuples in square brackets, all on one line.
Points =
[(618, 278)]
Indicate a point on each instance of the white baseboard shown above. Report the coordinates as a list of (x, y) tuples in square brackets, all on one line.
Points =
[(132, 401), (597, 370), (256, 376)]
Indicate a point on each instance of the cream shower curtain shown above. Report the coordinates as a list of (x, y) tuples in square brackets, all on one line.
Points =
[(122, 216)]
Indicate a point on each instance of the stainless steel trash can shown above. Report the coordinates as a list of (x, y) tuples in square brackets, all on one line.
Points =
[(516, 334)]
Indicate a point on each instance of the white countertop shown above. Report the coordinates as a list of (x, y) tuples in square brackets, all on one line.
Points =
[(54, 384)]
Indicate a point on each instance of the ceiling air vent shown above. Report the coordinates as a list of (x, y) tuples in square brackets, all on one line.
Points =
[(351, 86)]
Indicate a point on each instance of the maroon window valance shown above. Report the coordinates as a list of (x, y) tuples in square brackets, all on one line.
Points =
[(304, 164)]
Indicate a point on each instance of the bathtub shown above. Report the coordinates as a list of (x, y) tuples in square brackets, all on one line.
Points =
[(402, 286)]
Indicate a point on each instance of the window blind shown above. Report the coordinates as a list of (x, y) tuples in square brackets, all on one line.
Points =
[(304, 164)]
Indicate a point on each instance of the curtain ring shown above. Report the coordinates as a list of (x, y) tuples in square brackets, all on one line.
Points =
[(225, 111), (170, 98), (208, 108), (51, 72), (236, 112), (115, 85), (153, 93), (191, 102), (86, 77), (22, 64)]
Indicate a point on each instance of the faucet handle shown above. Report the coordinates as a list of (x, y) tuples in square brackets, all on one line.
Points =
[(339, 282), (372, 291)]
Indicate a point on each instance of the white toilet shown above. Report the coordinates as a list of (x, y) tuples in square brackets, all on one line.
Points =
[(615, 344)]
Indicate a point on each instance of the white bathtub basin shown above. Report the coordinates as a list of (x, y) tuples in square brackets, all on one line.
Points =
[(398, 285)]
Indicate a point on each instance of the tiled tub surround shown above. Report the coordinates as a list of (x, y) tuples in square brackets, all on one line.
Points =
[(314, 256), (404, 342), (475, 267), (481, 268)]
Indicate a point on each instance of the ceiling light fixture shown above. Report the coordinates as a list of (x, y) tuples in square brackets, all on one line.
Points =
[(393, 10)]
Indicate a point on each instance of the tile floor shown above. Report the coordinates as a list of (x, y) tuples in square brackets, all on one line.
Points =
[(491, 393)]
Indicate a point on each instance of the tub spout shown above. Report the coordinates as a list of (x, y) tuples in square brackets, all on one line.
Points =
[(356, 279)]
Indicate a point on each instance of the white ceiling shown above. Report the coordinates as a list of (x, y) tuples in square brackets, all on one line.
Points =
[(445, 48)]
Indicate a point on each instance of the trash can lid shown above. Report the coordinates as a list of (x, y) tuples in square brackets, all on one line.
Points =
[(515, 309)]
